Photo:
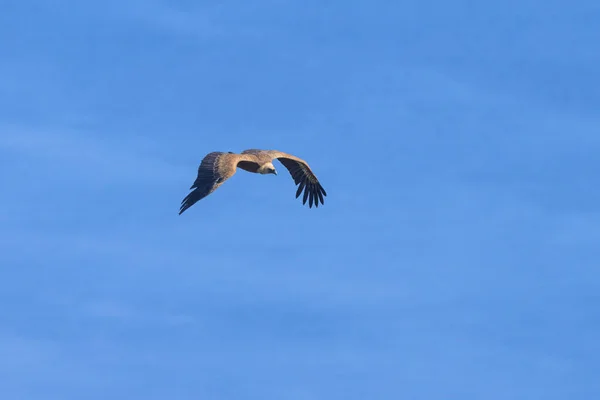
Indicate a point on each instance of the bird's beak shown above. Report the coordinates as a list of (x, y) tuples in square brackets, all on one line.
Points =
[(275, 172)]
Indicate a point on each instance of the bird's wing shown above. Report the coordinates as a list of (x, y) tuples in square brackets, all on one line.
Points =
[(303, 177), (255, 152), (214, 170)]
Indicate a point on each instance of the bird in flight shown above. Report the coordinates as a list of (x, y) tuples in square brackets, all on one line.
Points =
[(217, 167)]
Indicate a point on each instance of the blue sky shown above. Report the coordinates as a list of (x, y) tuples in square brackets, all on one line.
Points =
[(457, 253)]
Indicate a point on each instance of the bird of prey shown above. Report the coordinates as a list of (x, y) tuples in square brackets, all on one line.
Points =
[(217, 167)]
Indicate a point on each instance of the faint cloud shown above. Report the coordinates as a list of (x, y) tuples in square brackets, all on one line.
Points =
[(119, 310), (578, 229), (191, 20), (194, 22), (110, 309), (25, 361), (90, 155)]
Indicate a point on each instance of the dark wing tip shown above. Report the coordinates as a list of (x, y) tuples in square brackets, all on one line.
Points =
[(189, 201), (306, 181), (194, 196), (313, 193), (206, 180)]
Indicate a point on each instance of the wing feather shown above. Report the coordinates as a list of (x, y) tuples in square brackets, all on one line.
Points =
[(303, 177), (300, 188), (216, 167)]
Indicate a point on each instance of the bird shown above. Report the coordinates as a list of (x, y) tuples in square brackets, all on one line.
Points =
[(218, 166)]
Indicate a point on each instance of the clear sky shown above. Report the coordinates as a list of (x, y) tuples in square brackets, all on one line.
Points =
[(457, 254)]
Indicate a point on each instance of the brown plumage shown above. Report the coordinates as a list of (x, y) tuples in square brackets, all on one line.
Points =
[(217, 167)]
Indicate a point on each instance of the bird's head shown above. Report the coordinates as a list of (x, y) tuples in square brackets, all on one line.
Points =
[(268, 168)]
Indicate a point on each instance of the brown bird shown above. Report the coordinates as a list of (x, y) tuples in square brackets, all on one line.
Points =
[(217, 167)]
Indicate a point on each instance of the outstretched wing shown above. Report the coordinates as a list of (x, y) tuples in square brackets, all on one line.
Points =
[(215, 168), (303, 177)]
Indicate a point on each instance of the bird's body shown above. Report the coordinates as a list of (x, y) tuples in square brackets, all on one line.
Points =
[(217, 167)]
